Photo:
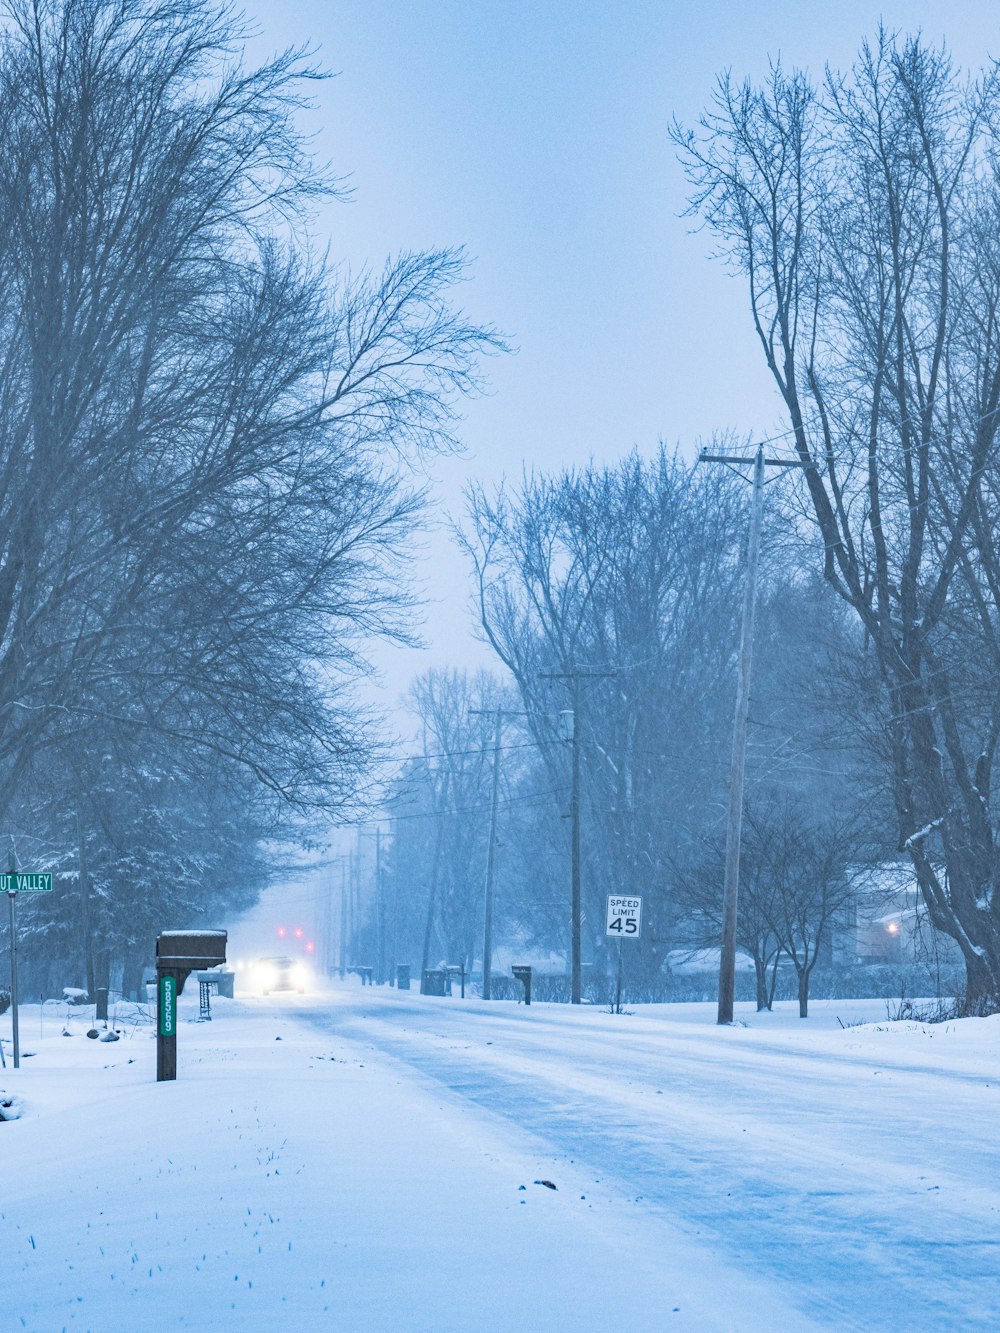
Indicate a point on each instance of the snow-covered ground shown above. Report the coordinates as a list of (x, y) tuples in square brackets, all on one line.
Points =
[(369, 1160)]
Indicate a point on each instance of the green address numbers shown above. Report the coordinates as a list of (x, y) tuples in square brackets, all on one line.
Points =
[(168, 1006)]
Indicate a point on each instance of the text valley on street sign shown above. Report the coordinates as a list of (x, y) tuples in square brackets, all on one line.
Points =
[(624, 917), (26, 881)]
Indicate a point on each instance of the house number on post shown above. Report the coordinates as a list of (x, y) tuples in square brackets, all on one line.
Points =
[(168, 1006)]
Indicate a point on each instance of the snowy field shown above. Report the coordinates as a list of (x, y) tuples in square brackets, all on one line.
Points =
[(369, 1160)]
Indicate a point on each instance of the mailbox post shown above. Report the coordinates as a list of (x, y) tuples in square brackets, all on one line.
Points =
[(523, 975), (178, 953)]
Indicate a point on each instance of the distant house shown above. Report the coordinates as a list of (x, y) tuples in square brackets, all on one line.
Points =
[(542, 963), (699, 962), (889, 923)]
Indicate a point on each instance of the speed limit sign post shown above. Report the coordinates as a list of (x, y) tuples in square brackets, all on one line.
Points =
[(624, 921)]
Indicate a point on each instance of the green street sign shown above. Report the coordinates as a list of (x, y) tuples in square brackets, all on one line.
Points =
[(26, 881), (168, 1006)]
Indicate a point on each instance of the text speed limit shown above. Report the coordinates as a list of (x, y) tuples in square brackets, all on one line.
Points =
[(624, 917)]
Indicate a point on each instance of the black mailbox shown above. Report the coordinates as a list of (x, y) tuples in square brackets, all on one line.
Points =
[(190, 950), (178, 954), (523, 975)]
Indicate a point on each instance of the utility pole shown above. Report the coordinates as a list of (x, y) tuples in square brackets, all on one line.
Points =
[(575, 853), (575, 676), (379, 924), (343, 917), (378, 968), (490, 864), (328, 926), (498, 715), (734, 825), (491, 851), (394, 961), (357, 873), (354, 905)]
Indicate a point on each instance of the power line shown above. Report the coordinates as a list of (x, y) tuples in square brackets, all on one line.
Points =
[(505, 802), (459, 754)]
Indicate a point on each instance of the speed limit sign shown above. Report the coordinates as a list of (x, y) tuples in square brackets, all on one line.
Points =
[(624, 917)]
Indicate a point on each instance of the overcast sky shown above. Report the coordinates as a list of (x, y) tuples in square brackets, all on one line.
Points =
[(535, 134)]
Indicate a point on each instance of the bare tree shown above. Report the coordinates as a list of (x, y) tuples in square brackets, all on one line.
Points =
[(814, 870), (618, 572), (863, 216), (441, 803), (207, 435), (700, 895), (198, 424)]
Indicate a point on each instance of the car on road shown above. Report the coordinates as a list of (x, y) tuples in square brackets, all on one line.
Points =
[(281, 974)]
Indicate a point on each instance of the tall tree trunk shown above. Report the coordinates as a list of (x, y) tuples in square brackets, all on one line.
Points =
[(132, 973), (760, 974), (85, 918), (102, 970), (980, 983)]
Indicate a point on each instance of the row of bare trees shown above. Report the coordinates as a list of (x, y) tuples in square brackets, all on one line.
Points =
[(202, 426), (611, 597), (608, 596), (863, 214), (440, 810)]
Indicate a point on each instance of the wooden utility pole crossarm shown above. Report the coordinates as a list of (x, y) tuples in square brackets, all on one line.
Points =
[(735, 460)]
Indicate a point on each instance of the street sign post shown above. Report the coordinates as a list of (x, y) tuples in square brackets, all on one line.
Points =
[(13, 883), (624, 920)]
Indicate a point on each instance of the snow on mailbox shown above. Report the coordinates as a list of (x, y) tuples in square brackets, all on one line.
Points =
[(179, 953)]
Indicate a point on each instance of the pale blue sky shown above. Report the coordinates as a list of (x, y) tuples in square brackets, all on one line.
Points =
[(536, 136)]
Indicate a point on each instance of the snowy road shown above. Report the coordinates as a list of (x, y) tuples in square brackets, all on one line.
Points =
[(856, 1170), (370, 1160)]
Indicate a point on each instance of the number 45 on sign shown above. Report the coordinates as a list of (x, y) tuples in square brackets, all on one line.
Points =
[(624, 917)]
